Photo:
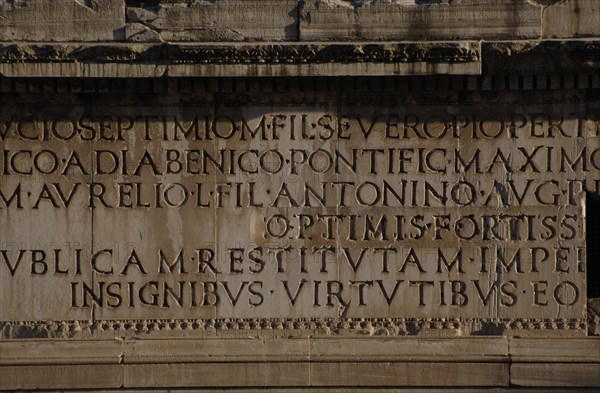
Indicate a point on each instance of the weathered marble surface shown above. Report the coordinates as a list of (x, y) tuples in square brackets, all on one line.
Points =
[(221, 21), (118, 75), (286, 59), (300, 209), (496, 59), (574, 18), (292, 365), (292, 20), (62, 20), (391, 20)]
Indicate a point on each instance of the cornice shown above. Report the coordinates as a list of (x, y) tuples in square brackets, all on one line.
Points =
[(233, 59), (140, 60)]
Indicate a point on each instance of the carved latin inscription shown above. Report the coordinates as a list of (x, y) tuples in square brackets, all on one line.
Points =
[(294, 213)]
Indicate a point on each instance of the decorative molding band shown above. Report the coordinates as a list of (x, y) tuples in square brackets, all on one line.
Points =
[(450, 53), (325, 326), (224, 349), (146, 60), (233, 59), (164, 53)]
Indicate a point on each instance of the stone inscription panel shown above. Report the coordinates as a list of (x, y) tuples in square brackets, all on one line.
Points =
[(259, 212)]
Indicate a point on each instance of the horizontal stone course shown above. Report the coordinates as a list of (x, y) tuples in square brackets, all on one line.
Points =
[(467, 19), (571, 18), (483, 362), (62, 20), (182, 58), (224, 20), (239, 59), (294, 20), (302, 59)]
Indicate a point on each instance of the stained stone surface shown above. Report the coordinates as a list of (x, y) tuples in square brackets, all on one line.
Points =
[(225, 20), (302, 212), (294, 20), (349, 196), (62, 20), (389, 20), (235, 59), (574, 18)]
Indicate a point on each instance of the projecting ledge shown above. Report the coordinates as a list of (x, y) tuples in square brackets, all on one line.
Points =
[(147, 60), (327, 349), (239, 59), (356, 362)]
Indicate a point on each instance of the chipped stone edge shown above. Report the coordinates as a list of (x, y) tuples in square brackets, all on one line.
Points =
[(143, 60), (311, 59)]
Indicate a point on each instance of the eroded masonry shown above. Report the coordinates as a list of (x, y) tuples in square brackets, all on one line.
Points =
[(299, 195)]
